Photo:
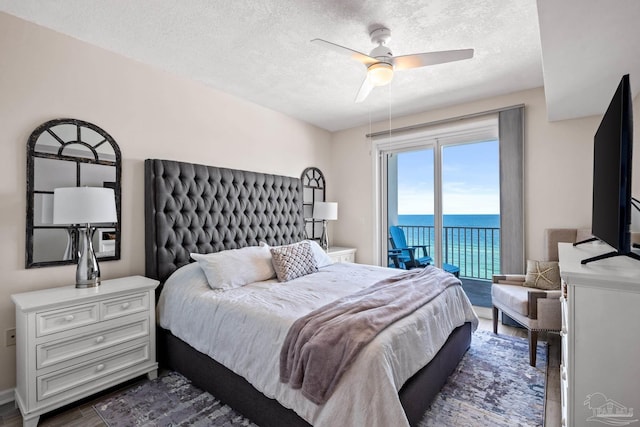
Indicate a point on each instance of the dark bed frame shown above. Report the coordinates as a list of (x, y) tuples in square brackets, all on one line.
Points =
[(197, 208)]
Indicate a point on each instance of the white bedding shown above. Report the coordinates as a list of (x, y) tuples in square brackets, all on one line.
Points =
[(244, 329)]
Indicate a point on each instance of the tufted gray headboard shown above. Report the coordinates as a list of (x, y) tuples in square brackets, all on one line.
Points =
[(197, 208)]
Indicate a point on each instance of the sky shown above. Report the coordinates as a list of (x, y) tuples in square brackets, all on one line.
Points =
[(470, 177)]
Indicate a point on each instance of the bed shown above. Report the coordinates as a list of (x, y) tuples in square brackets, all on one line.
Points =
[(192, 208)]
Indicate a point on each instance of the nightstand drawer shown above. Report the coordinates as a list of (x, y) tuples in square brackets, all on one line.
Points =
[(69, 381), (49, 322), (64, 349), (123, 306)]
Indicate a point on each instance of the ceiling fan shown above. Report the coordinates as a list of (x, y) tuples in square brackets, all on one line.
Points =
[(381, 63)]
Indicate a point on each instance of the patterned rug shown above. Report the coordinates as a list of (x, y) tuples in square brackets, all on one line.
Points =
[(493, 386)]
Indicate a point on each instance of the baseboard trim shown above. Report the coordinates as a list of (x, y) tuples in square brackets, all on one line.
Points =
[(7, 396)]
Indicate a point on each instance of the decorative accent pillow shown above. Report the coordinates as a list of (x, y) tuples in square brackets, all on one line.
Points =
[(236, 267), (543, 275), (322, 258), (295, 260)]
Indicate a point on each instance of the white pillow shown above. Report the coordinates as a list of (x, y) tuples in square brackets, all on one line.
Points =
[(236, 267), (322, 258)]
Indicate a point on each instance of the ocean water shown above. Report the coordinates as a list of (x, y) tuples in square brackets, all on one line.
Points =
[(471, 242), (452, 220)]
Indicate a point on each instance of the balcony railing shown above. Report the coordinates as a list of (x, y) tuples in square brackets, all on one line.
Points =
[(476, 250)]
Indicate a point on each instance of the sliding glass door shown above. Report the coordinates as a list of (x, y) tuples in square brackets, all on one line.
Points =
[(411, 201), (444, 195), (471, 208)]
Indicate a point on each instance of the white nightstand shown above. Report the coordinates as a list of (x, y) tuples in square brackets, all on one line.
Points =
[(341, 254), (72, 343)]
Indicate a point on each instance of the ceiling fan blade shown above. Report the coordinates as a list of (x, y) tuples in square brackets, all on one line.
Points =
[(360, 57), (430, 58), (365, 90)]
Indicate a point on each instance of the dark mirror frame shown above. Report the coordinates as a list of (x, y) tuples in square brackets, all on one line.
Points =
[(79, 162), (313, 190)]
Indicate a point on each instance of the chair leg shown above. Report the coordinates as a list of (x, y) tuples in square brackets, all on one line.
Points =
[(533, 346), (495, 320)]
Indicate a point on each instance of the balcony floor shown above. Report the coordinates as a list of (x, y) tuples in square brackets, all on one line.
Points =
[(478, 291)]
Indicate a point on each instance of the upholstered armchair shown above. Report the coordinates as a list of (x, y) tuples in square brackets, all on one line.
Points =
[(534, 308)]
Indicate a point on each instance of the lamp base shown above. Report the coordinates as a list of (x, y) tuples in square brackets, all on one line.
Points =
[(88, 271), (88, 284), (324, 240)]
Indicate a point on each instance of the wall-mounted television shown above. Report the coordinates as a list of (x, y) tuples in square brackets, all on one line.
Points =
[(612, 158)]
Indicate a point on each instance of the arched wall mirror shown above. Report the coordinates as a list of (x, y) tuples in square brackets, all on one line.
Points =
[(68, 153), (313, 189)]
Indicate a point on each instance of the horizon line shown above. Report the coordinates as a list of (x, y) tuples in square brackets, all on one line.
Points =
[(449, 214)]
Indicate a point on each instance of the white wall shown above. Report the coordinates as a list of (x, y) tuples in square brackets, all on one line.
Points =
[(150, 114), (558, 171)]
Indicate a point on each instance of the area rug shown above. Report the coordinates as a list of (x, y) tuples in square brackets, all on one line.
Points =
[(493, 385)]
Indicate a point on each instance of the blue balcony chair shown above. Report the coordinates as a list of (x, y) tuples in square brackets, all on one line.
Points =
[(407, 256), (394, 258)]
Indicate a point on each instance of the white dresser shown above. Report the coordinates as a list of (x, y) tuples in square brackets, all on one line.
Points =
[(72, 343), (600, 367), (342, 254)]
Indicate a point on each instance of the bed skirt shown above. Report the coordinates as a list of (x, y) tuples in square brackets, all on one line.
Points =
[(416, 395)]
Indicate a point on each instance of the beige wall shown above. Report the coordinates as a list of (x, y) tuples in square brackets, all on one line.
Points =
[(150, 113), (558, 171)]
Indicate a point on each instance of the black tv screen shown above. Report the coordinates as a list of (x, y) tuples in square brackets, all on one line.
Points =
[(612, 156)]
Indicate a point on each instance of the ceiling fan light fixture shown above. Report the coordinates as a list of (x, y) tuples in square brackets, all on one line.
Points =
[(381, 63), (380, 74)]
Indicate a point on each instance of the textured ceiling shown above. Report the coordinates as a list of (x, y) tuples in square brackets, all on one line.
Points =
[(261, 51)]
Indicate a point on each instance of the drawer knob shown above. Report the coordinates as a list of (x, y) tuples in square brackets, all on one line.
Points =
[(99, 339), (69, 317), (564, 375), (100, 367), (563, 332), (125, 305)]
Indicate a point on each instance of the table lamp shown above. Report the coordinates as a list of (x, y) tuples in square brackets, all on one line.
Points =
[(325, 211), (84, 206)]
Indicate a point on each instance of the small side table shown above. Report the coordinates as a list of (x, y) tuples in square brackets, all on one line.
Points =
[(72, 343), (342, 254), (450, 268)]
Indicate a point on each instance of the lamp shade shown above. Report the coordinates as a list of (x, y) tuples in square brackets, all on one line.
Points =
[(84, 205), (325, 210)]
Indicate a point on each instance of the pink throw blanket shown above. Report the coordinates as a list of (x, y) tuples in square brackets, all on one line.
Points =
[(321, 346)]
